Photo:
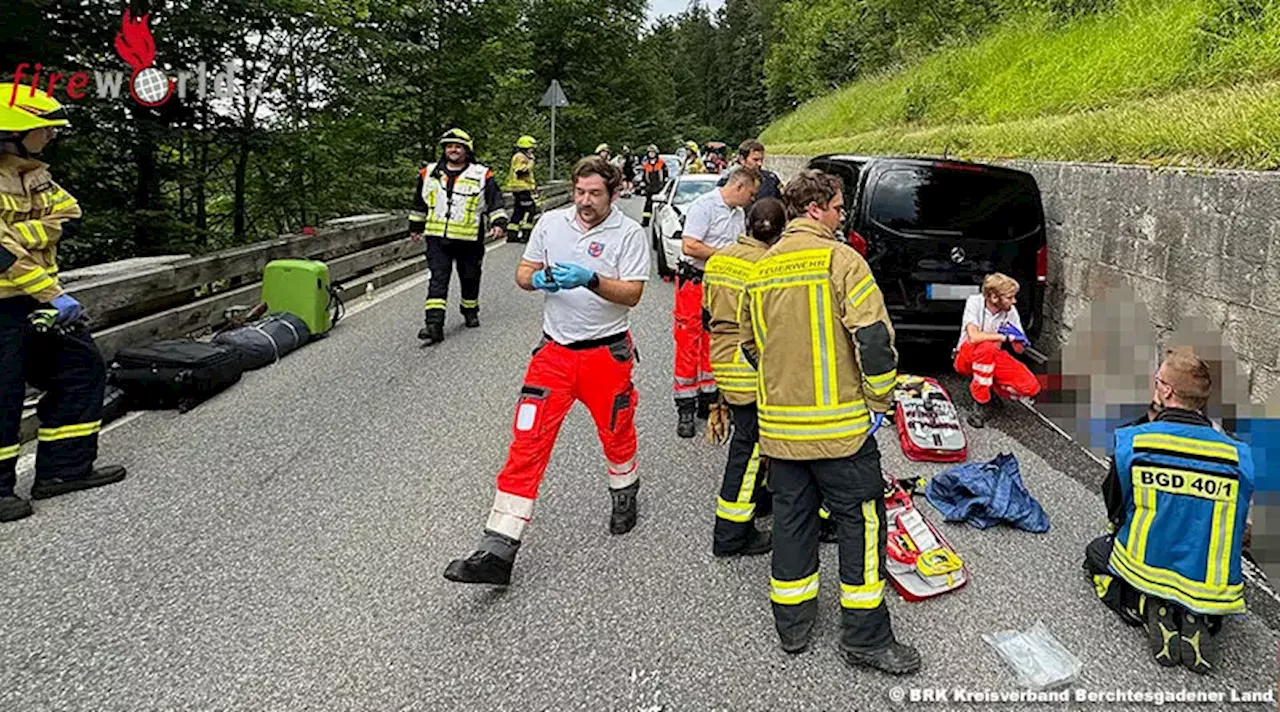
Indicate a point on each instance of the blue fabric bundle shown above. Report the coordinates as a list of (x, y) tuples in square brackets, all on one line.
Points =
[(985, 494)]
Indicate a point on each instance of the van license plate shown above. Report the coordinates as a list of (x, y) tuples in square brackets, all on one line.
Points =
[(951, 291)]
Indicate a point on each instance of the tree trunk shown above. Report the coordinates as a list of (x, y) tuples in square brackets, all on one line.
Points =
[(242, 168)]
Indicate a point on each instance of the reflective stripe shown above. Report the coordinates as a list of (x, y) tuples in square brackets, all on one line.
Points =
[(1221, 535), (1101, 584), (1186, 446), (735, 511), (437, 303), (800, 434), (824, 513), (64, 205), (51, 271), (510, 514), (66, 432), (984, 368), (469, 303), (823, 364), (748, 488), (882, 384), (1144, 513), (513, 504), (10, 452), (862, 290), (721, 281), (865, 597), (870, 542), (1172, 586), (797, 280), (791, 593), (813, 413), (982, 380), (624, 474), (33, 233)]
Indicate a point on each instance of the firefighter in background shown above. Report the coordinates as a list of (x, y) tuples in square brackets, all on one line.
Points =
[(655, 177), (815, 325), (628, 172), (1177, 498), (522, 185), (44, 339), (692, 163), (742, 494), (456, 202), (604, 152), (714, 221), (591, 262)]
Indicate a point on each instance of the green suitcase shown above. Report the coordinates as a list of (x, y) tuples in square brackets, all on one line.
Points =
[(300, 287)]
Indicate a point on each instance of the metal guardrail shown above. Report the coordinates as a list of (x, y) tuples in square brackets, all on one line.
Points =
[(144, 300)]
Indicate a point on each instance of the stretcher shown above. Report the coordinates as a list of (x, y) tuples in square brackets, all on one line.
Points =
[(921, 563), (927, 421)]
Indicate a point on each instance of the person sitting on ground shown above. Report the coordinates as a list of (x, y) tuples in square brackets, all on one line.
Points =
[(1177, 499), (990, 321)]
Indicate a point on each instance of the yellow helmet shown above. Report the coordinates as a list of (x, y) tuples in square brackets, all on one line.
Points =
[(526, 142), (29, 112), (691, 146), (602, 147), (457, 136)]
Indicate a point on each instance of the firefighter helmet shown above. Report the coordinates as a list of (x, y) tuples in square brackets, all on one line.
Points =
[(29, 110), (691, 146), (526, 142), (602, 147), (652, 147), (459, 137)]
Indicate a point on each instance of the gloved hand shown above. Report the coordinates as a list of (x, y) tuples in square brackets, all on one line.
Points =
[(1014, 333), (571, 276), (876, 422), (541, 282), (69, 310)]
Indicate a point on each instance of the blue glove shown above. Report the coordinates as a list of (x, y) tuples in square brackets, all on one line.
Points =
[(876, 423), (571, 276), (1015, 333), (540, 281), (69, 310)]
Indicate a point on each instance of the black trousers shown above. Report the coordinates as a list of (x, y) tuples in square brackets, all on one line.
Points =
[(853, 490), (523, 217), (1116, 593), (442, 254), (68, 368), (741, 487), (648, 209)]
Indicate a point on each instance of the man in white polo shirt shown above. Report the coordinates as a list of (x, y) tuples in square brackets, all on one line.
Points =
[(592, 262), (715, 221)]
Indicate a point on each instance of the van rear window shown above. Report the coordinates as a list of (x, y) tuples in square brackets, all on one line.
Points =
[(972, 204)]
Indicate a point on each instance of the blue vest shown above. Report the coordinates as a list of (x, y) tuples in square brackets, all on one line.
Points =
[(1186, 492)]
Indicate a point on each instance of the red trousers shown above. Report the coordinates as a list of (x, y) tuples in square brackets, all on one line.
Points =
[(599, 377), (693, 343), (990, 366)]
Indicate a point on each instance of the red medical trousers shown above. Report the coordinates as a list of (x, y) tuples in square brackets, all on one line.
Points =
[(990, 366), (598, 374), (693, 344)]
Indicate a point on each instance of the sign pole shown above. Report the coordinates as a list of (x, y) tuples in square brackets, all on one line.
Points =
[(554, 98), (553, 143)]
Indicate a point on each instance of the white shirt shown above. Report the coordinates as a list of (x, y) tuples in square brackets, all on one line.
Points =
[(713, 223), (976, 313), (615, 248)]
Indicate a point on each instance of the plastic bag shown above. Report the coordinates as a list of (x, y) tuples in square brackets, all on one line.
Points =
[(1038, 660)]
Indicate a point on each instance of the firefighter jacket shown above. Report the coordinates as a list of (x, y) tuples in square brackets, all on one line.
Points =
[(459, 205), (1185, 488), (520, 179), (814, 323), (33, 209), (722, 285), (655, 175)]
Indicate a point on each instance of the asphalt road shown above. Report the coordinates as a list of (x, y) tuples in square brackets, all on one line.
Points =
[(280, 548)]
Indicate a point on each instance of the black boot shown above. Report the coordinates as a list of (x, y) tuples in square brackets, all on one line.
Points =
[(1199, 645), (1163, 631), (705, 401), (472, 319), (432, 334), (13, 508), (480, 567), (758, 542), (685, 426), (625, 508), (980, 415), (44, 488), (895, 659)]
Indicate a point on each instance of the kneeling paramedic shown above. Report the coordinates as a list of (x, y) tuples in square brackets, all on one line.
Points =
[(453, 204), (990, 326), (1177, 500), (815, 325), (591, 262), (741, 490), (44, 339)]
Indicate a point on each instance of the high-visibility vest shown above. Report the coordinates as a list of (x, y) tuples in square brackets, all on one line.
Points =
[(1187, 490), (458, 216)]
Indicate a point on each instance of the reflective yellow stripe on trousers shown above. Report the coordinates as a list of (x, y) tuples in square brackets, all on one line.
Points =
[(742, 509), (792, 593), (870, 593), (79, 430), (10, 452)]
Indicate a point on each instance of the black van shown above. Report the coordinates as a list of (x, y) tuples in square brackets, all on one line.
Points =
[(932, 229)]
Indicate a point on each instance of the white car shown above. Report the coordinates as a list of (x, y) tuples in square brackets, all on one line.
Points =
[(670, 207)]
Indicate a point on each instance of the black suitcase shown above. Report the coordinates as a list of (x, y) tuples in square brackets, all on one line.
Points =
[(174, 374)]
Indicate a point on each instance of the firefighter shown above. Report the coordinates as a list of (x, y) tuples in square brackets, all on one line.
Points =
[(604, 152), (1177, 498), (591, 262), (692, 163), (714, 221), (655, 177), (741, 490), (521, 183), (456, 202), (751, 153), (815, 326), (44, 339), (628, 172)]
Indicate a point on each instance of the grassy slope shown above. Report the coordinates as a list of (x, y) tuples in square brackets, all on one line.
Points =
[(1151, 82)]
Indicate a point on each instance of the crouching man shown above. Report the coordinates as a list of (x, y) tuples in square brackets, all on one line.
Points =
[(1177, 497), (990, 322)]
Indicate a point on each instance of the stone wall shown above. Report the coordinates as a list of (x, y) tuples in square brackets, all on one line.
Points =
[(1188, 243)]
